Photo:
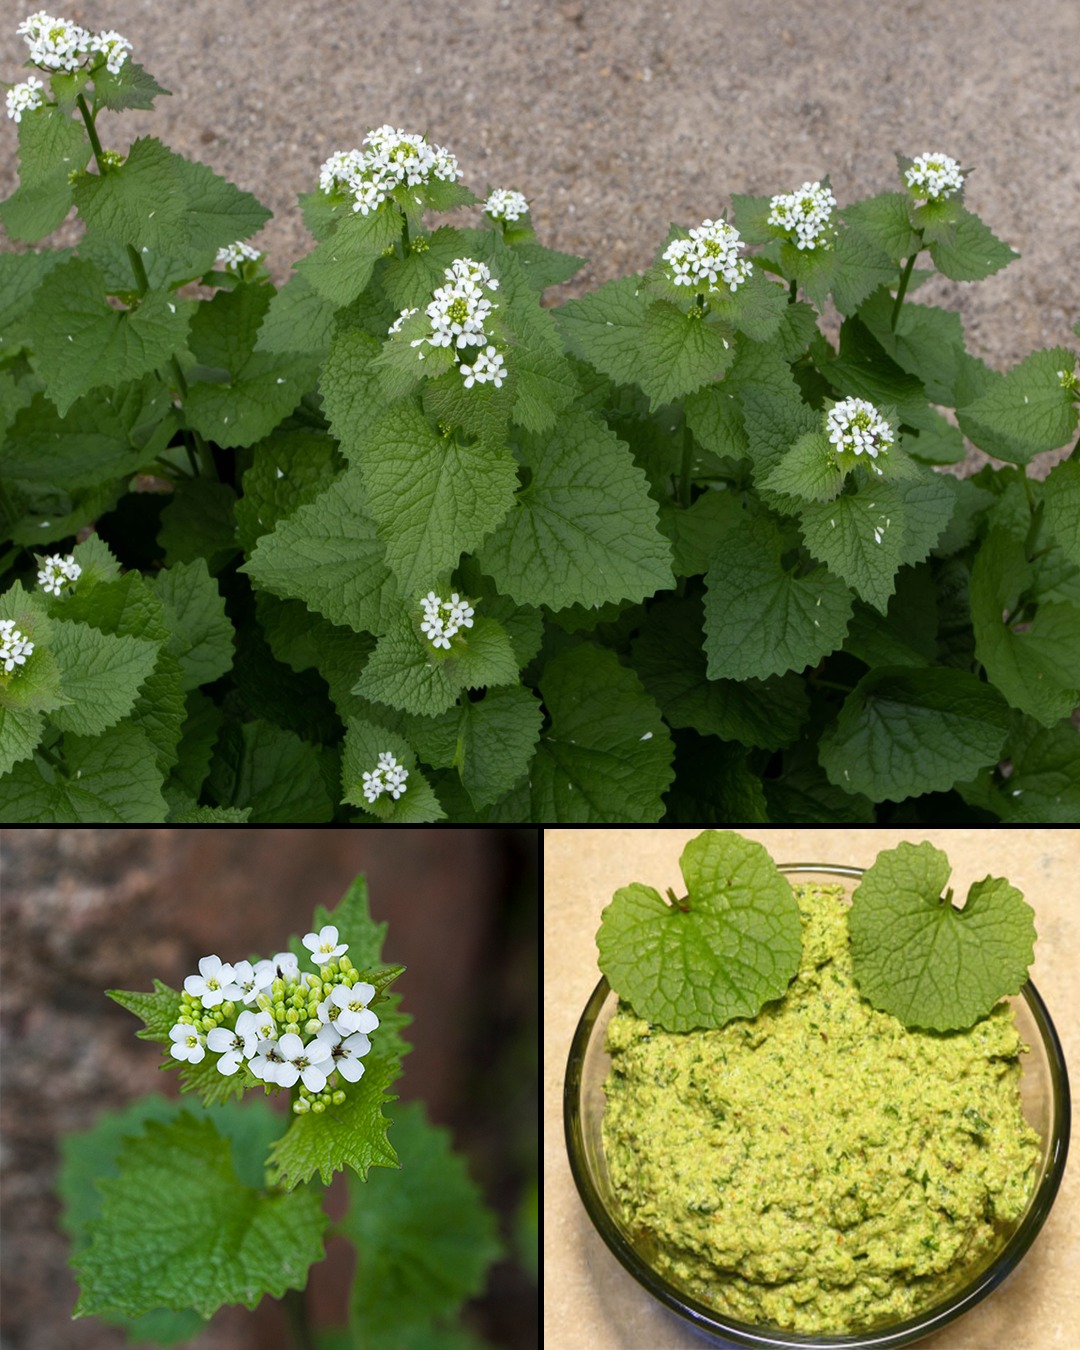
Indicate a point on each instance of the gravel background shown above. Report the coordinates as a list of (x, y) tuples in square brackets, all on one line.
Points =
[(619, 116)]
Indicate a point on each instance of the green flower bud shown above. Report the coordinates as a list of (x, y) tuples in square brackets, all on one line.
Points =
[(314, 981), (301, 1106), (265, 1004), (318, 1108), (278, 988), (292, 1016), (338, 1097), (346, 964), (311, 1027), (208, 1023)]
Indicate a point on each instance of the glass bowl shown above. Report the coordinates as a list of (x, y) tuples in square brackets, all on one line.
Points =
[(1045, 1094)]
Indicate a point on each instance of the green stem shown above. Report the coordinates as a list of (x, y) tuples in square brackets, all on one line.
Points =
[(91, 131), (405, 243), (296, 1314), (904, 279), (206, 459)]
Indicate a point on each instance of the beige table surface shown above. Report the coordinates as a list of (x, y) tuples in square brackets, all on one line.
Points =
[(590, 1303)]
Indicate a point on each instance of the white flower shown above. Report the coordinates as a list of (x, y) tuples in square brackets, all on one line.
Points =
[(806, 214), (251, 981), (933, 176), (57, 571), (709, 260), (187, 1043), (388, 776), (286, 967), (487, 365), (857, 426), (214, 982), (324, 945), (55, 44), (505, 204), (114, 47), (14, 647), (346, 1052), (268, 1061), (234, 1046), (303, 1061), (24, 97), (392, 158), (233, 255), (444, 618), (347, 1009)]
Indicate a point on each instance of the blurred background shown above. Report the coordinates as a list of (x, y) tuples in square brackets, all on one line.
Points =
[(84, 910)]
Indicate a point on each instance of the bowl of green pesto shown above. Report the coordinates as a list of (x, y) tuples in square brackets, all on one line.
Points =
[(818, 1174)]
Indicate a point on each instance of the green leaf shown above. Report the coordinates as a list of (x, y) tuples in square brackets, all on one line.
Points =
[(99, 676), (245, 393), (584, 530), (159, 1010), (160, 202), (202, 633), (104, 780), (905, 731), (405, 671), (604, 328), (918, 957), (272, 771), (328, 555), (727, 948), (340, 267), (1031, 653), (607, 754), (678, 354), (885, 220), (425, 1238), (130, 87), (761, 617), (1061, 503), (351, 1135), (52, 146), (81, 343), (432, 498), (969, 250), (207, 1239), (808, 470), (1027, 410)]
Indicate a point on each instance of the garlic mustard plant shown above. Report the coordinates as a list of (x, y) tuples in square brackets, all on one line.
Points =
[(680, 498), (223, 1197)]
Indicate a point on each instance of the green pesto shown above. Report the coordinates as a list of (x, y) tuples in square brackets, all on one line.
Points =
[(819, 1168)]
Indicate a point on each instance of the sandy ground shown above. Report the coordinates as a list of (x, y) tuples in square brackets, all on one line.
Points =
[(619, 116)]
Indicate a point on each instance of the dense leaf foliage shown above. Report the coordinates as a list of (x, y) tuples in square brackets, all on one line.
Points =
[(693, 596)]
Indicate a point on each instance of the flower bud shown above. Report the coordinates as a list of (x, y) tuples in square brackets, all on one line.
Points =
[(338, 1097), (292, 1016), (318, 1108), (312, 1027), (301, 1106)]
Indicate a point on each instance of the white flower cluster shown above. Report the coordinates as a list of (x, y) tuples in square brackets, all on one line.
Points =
[(458, 314), (14, 647), (57, 572), (301, 1027), (24, 97), (709, 260), (388, 776), (59, 44), (505, 204), (444, 618), (805, 213), (234, 255), (393, 157), (856, 425), (934, 176)]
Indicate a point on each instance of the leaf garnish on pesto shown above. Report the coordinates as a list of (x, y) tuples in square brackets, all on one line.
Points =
[(722, 951), (917, 956)]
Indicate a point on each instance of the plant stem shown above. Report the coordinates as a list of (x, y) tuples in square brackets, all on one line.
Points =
[(794, 291), (405, 244), (206, 459), (296, 1314), (91, 131), (904, 279)]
